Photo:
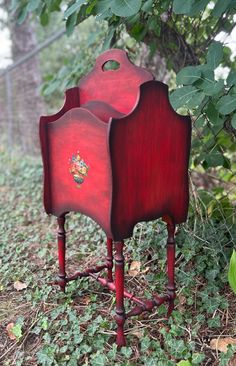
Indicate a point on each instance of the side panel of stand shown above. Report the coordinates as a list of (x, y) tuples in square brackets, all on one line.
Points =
[(77, 166), (149, 155)]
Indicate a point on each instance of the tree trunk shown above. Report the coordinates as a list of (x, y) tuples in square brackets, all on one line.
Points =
[(26, 81), (22, 85)]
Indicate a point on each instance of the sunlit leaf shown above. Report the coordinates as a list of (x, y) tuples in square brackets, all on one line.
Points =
[(188, 75), (125, 8), (215, 54), (232, 272), (227, 104), (74, 8)]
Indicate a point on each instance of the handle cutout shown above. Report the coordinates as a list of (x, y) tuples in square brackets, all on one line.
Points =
[(110, 65)]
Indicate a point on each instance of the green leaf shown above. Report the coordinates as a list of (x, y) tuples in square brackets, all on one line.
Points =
[(44, 18), (196, 100), (14, 5), (182, 7), (212, 87), (22, 15), (188, 75), (220, 7), (147, 6), (190, 7), (233, 121), (185, 96), (214, 54), (213, 114), (184, 363), (198, 6), (70, 24), (126, 351), (198, 358), (108, 39), (231, 79), (99, 360), (214, 159), (33, 5), (102, 6), (138, 31), (227, 104), (74, 8), (125, 8), (232, 272), (17, 330)]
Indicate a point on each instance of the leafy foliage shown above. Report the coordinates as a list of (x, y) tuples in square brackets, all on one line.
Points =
[(77, 327), (232, 271), (175, 29)]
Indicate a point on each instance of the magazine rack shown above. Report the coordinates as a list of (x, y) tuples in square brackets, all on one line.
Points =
[(118, 153)]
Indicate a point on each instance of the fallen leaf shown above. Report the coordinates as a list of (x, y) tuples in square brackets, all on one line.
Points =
[(134, 268), (220, 344), (9, 331), (182, 299), (19, 286), (85, 300), (137, 333), (232, 361)]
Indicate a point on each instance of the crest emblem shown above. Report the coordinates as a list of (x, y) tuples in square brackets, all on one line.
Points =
[(78, 168)]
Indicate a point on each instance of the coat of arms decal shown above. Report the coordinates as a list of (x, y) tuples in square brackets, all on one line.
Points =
[(78, 168)]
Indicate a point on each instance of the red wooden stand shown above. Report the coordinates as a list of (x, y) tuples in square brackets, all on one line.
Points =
[(118, 153)]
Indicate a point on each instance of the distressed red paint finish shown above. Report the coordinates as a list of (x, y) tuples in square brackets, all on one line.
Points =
[(135, 150)]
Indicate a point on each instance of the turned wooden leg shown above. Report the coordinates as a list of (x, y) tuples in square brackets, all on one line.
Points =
[(109, 259), (171, 266), (61, 239), (119, 282)]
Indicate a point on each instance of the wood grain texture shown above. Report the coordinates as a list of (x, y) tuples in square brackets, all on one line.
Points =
[(149, 151), (78, 131), (118, 88), (137, 161)]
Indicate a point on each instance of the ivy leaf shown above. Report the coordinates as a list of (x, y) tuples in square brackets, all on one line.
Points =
[(126, 351), (214, 54), (125, 8), (74, 8), (185, 96), (227, 104), (99, 360), (188, 75), (184, 363), (232, 272)]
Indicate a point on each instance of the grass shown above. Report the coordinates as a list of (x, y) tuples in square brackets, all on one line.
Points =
[(77, 328)]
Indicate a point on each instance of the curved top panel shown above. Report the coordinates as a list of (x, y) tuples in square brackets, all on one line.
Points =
[(119, 88)]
